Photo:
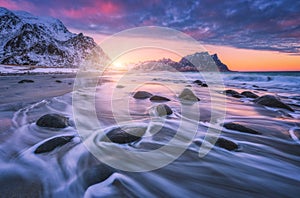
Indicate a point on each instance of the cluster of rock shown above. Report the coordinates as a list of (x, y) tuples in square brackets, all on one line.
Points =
[(265, 100), (125, 135)]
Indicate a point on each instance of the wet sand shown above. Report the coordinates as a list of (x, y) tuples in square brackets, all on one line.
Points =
[(44, 86)]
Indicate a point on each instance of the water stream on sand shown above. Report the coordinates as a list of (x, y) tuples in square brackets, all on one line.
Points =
[(264, 165)]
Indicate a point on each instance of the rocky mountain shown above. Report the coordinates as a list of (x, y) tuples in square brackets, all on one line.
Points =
[(201, 61), (43, 41), (157, 65)]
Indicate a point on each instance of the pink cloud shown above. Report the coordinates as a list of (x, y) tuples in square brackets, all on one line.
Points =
[(9, 4), (94, 9), (22, 5)]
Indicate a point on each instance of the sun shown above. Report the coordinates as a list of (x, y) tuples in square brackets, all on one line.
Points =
[(119, 66)]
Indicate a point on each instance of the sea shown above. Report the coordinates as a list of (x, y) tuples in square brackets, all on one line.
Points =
[(176, 157)]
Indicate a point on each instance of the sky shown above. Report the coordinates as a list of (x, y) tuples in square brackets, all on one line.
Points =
[(247, 35)]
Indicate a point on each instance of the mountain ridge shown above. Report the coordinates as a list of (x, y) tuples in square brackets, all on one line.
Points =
[(200, 61), (26, 39)]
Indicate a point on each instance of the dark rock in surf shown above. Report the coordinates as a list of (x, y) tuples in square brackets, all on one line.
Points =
[(142, 95), (95, 175), (255, 86), (260, 89), (163, 110), (188, 95), (249, 94), (126, 135), (52, 121), (239, 127), (159, 99), (204, 85), (226, 144), (232, 93), (19, 182), (188, 86), (58, 81), (272, 101), (26, 81), (53, 143), (198, 82)]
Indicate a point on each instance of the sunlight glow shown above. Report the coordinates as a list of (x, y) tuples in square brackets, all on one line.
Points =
[(117, 65)]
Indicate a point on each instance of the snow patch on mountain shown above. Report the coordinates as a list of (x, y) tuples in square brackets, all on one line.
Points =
[(26, 39)]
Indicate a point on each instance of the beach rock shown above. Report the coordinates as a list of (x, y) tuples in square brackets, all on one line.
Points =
[(188, 86), (58, 81), (255, 86), (226, 144), (159, 99), (198, 82), (239, 127), (19, 182), (204, 85), (53, 121), (120, 86), (188, 95), (249, 94), (126, 135), (272, 101), (95, 175), (260, 89), (53, 143), (142, 95), (232, 93), (163, 110), (26, 81)]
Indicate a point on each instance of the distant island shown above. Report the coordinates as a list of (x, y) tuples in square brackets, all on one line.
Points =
[(203, 61)]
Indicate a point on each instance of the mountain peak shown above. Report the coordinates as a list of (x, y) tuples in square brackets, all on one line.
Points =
[(199, 61), (26, 39)]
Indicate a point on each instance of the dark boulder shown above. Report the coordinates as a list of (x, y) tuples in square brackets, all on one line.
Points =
[(204, 85), (159, 99), (53, 121), (53, 143), (249, 94), (198, 82), (58, 81), (239, 127), (226, 144), (26, 81), (163, 110), (232, 93), (272, 101), (95, 175), (126, 135), (142, 95), (188, 95)]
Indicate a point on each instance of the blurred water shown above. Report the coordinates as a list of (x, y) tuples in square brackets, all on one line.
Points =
[(265, 165)]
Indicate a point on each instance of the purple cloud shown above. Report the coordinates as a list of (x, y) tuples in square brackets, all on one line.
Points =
[(260, 24)]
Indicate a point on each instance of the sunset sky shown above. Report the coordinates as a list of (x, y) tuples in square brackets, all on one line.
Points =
[(257, 35)]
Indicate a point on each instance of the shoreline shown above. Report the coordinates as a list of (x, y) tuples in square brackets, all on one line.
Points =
[(43, 86)]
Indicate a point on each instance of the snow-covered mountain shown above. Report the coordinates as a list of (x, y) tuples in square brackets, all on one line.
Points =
[(43, 41), (201, 61)]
